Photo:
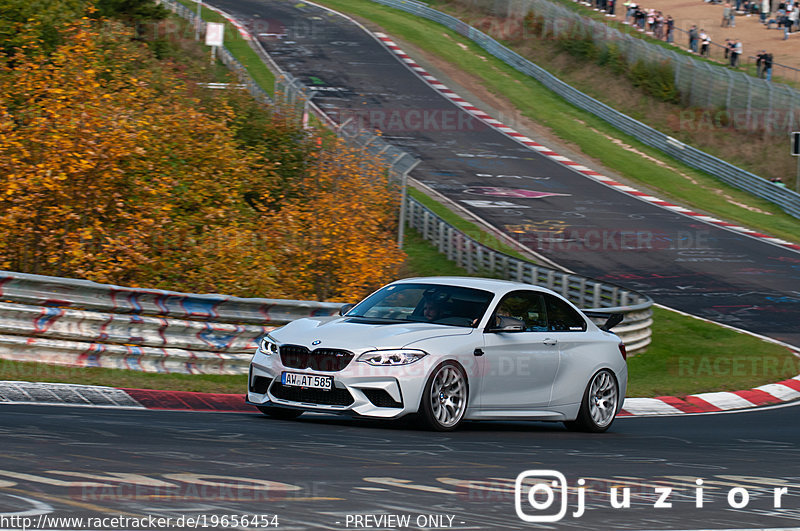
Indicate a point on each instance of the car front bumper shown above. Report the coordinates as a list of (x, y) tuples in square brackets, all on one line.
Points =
[(358, 389)]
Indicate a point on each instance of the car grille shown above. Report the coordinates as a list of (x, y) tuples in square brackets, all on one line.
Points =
[(321, 359), (334, 397), (380, 398)]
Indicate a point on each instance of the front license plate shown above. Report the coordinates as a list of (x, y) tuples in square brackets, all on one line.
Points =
[(296, 379)]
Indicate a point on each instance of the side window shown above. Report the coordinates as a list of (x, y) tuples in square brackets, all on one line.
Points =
[(527, 306), (562, 317)]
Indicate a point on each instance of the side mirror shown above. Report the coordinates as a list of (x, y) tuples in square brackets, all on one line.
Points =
[(508, 324), (346, 308)]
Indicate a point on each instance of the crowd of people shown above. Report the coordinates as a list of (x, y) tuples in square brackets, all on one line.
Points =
[(650, 21), (661, 26)]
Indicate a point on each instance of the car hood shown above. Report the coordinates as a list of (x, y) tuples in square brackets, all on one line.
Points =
[(357, 334)]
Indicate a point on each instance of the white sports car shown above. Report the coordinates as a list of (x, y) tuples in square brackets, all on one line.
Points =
[(449, 349)]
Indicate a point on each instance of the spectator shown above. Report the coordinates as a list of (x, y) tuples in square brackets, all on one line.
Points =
[(726, 15), (760, 57), (736, 52), (728, 47), (786, 22), (670, 29), (641, 15), (693, 38), (768, 66), (765, 11), (705, 42), (611, 5), (659, 30), (630, 11)]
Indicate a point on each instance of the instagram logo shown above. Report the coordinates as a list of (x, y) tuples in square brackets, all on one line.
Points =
[(537, 488)]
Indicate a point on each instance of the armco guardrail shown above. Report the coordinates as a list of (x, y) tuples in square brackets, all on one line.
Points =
[(787, 199), (82, 323)]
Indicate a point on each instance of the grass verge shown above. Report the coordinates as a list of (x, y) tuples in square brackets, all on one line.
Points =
[(467, 227), (595, 138), (690, 356)]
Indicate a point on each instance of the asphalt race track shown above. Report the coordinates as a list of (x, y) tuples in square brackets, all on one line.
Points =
[(315, 472), (581, 224)]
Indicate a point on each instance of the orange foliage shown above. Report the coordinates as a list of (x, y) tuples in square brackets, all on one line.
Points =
[(110, 171), (336, 239)]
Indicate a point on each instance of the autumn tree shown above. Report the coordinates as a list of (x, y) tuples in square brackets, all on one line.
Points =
[(109, 172), (334, 238), (115, 167)]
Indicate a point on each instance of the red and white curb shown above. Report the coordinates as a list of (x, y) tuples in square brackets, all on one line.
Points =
[(58, 394), (544, 150), (765, 395)]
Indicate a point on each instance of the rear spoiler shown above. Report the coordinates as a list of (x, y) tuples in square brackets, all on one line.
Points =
[(612, 319)]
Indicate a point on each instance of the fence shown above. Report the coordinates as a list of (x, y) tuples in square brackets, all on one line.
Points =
[(700, 83), (686, 72)]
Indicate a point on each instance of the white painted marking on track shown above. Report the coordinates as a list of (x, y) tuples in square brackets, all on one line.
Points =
[(37, 507)]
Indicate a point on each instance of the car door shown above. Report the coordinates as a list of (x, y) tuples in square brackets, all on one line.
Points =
[(576, 347), (519, 367)]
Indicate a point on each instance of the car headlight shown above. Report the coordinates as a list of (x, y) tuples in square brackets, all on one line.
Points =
[(267, 345), (392, 357)]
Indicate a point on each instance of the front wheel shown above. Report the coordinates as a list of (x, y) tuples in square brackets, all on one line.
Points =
[(599, 404), (444, 399), (280, 412)]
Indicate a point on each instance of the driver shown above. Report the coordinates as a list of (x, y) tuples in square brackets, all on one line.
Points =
[(432, 310)]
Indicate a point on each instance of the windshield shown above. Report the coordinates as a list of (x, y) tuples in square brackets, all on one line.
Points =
[(432, 303)]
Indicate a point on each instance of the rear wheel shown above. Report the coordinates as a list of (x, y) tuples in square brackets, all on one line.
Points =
[(444, 399), (599, 404), (280, 412)]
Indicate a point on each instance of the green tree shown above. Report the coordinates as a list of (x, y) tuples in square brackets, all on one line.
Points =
[(23, 21)]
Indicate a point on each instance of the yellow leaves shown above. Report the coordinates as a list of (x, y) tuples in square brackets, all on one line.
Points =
[(336, 239), (122, 178)]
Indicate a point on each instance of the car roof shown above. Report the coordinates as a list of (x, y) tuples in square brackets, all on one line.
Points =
[(488, 284)]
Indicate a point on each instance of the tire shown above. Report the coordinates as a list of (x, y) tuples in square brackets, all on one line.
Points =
[(280, 412), (445, 397), (599, 404)]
